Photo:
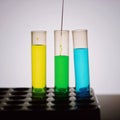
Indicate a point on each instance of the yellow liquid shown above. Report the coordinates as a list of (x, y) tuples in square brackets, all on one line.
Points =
[(38, 66)]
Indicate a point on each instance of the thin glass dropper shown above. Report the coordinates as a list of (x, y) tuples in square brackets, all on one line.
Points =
[(62, 16), (61, 27)]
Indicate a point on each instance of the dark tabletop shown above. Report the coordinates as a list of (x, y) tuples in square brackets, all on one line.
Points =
[(110, 107)]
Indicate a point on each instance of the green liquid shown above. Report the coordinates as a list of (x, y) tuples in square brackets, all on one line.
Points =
[(61, 73)]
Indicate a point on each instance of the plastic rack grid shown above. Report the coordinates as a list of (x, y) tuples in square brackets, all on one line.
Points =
[(69, 104)]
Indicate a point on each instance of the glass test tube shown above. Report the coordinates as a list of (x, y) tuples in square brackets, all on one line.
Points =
[(38, 61), (61, 60), (81, 62)]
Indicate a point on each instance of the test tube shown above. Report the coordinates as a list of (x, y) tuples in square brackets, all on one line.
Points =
[(61, 60), (38, 41), (81, 62)]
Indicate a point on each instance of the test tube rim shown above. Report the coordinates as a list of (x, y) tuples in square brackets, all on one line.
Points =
[(44, 31), (60, 30), (80, 30)]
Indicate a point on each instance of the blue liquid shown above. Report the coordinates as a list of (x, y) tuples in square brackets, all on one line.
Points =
[(81, 65)]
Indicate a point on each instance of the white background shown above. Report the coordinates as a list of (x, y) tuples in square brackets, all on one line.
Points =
[(102, 19)]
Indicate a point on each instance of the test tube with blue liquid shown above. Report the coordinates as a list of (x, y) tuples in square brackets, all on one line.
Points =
[(81, 62)]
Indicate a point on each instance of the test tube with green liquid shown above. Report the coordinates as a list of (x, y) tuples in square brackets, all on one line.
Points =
[(38, 53), (61, 60)]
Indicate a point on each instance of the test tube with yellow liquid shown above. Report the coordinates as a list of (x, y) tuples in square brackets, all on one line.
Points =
[(38, 39)]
